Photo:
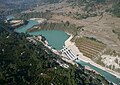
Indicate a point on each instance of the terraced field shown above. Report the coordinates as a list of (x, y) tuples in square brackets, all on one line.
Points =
[(90, 48)]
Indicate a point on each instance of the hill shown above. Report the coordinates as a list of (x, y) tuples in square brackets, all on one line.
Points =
[(23, 62)]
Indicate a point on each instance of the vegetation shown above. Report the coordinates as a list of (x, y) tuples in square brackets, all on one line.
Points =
[(23, 63), (90, 47), (111, 52), (9, 7), (49, 1), (80, 2), (26, 16), (80, 16), (94, 39), (116, 8), (117, 32), (91, 8), (66, 26)]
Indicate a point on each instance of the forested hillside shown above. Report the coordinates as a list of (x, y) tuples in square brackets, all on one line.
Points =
[(8, 7), (23, 62), (116, 8), (49, 1), (112, 6)]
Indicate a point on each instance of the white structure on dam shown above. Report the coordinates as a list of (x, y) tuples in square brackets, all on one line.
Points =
[(69, 54)]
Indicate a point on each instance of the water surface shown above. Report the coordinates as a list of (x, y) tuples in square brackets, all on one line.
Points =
[(24, 28), (107, 75), (55, 38)]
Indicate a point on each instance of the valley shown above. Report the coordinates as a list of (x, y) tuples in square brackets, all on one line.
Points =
[(93, 27)]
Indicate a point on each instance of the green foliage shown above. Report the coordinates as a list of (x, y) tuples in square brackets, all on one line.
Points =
[(65, 26), (23, 63), (116, 8), (117, 32), (90, 7), (80, 2), (90, 47), (26, 16), (50, 1)]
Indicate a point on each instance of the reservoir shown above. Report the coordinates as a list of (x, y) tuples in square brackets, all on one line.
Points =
[(56, 39)]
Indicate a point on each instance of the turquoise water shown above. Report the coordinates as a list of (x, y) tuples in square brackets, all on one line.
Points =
[(10, 17), (24, 28), (56, 39), (107, 75)]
